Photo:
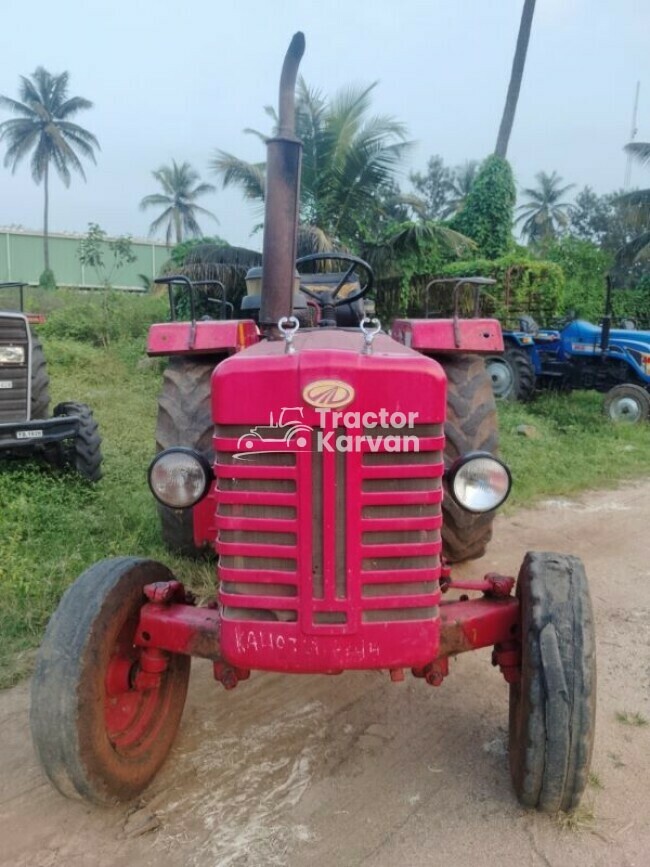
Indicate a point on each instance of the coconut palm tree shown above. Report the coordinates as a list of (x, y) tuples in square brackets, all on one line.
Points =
[(637, 207), (545, 214), (347, 156), (43, 128), (178, 200), (516, 76), (461, 183)]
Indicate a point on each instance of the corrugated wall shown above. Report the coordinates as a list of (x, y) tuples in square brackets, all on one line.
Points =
[(21, 258)]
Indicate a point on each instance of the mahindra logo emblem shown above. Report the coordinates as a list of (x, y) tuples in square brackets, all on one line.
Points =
[(328, 393)]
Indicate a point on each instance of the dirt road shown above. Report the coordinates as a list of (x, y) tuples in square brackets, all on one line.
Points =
[(354, 770)]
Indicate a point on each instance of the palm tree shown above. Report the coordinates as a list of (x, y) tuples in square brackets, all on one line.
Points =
[(462, 182), (545, 214), (43, 128), (178, 200), (347, 156), (637, 206), (516, 76)]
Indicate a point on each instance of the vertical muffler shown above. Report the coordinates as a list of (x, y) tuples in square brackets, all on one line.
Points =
[(284, 154)]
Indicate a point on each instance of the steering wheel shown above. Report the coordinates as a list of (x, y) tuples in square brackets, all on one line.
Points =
[(328, 299)]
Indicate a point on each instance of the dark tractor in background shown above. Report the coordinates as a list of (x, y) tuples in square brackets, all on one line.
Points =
[(69, 438)]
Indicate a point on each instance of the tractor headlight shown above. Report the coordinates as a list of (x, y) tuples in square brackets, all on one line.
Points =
[(479, 482), (179, 477), (12, 354)]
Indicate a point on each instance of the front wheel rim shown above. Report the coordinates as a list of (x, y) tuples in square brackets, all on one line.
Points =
[(501, 376), (133, 716), (626, 409)]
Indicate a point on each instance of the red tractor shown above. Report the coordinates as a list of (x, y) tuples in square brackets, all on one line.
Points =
[(332, 556)]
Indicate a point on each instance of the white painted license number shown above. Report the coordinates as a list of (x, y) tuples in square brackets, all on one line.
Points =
[(29, 434)]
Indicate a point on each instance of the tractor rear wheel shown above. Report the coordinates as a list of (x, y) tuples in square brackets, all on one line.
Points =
[(471, 426), (40, 403), (627, 403), (97, 735), (552, 707), (83, 453), (184, 419)]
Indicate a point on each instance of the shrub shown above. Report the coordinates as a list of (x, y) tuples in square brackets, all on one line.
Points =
[(523, 285), (47, 280), (487, 214), (586, 266), (103, 318)]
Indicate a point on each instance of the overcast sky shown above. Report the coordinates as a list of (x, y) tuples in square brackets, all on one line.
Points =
[(178, 80)]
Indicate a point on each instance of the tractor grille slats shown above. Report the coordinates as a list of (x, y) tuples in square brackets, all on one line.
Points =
[(14, 399), (332, 540)]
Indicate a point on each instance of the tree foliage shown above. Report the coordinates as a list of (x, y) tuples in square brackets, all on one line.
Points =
[(441, 191), (44, 129), (545, 215), (523, 284), (609, 221), (349, 156), (487, 214), (94, 247), (178, 200)]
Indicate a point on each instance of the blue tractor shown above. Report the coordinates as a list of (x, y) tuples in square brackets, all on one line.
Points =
[(580, 355)]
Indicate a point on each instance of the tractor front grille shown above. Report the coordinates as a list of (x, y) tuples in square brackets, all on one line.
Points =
[(332, 542), (14, 378)]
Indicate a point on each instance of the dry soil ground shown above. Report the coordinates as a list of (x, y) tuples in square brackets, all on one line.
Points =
[(354, 770)]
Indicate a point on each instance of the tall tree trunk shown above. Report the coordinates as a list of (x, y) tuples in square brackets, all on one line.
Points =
[(46, 240), (515, 79), (179, 228)]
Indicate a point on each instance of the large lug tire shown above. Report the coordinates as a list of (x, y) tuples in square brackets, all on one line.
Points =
[(83, 453), (471, 426), (521, 363), (40, 403), (552, 707), (512, 375), (628, 403), (96, 735), (184, 419)]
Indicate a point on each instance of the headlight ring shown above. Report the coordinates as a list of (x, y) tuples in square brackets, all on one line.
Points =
[(479, 482), (180, 477)]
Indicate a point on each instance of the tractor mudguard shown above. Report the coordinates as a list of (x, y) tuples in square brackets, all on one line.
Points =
[(449, 335), (201, 338)]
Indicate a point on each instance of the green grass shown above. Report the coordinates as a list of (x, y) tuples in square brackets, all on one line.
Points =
[(631, 719), (53, 525), (577, 447), (580, 819), (594, 781)]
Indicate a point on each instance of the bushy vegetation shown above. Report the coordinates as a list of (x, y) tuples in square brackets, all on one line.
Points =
[(523, 284), (101, 318), (487, 214)]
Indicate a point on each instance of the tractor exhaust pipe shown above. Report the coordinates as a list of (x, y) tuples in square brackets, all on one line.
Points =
[(282, 198)]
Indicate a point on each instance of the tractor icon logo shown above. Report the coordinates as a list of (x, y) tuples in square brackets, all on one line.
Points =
[(290, 428), (328, 393)]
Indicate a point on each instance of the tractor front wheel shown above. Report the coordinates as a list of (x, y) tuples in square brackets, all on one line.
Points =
[(83, 452), (552, 707), (99, 731), (471, 426), (512, 375), (627, 403)]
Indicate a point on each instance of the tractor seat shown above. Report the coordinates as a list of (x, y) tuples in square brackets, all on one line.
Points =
[(528, 325)]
